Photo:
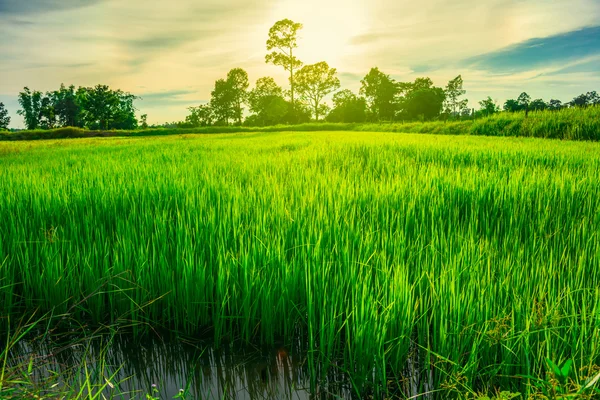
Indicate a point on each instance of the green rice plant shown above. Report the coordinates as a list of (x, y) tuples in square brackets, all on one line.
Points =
[(475, 258)]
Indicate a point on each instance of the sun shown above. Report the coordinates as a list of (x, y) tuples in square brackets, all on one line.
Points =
[(329, 28)]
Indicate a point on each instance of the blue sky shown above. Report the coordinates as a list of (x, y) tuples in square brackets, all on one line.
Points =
[(170, 53)]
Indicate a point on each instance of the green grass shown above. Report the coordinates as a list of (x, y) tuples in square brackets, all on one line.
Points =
[(479, 256), (567, 124)]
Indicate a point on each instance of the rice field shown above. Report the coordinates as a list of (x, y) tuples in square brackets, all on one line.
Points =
[(475, 259)]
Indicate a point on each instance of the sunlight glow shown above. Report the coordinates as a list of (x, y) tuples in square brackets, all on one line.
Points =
[(329, 27)]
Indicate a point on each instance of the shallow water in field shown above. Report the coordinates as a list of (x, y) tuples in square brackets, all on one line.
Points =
[(164, 368)]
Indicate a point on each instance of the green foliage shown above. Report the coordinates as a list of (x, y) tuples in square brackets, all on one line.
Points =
[(66, 106), (477, 258), (93, 108), (104, 108), (283, 39), (237, 80), (453, 92), (200, 116), (566, 124), (4, 117), (31, 105), (586, 100), (347, 107), (227, 99), (267, 103), (314, 82), (380, 92), (423, 103), (143, 124), (488, 107)]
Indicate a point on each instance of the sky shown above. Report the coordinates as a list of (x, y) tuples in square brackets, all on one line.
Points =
[(171, 52)]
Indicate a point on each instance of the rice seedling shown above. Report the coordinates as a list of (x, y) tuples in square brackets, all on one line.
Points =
[(475, 258)]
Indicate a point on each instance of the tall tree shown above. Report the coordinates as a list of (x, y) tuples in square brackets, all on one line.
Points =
[(314, 82), (221, 102), (237, 81), (4, 117), (454, 90), (380, 92), (283, 39), (31, 105), (524, 99)]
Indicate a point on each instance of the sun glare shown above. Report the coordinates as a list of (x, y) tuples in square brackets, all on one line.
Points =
[(329, 27)]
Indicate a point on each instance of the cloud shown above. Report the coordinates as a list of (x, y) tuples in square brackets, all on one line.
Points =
[(175, 50), (170, 97), (539, 52), (41, 6)]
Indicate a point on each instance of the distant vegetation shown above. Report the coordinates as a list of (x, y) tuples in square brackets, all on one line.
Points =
[(567, 123), (233, 103)]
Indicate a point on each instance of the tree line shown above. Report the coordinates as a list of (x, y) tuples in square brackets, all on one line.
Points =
[(379, 99), (96, 108)]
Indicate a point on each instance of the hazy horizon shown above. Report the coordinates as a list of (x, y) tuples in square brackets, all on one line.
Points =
[(170, 54)]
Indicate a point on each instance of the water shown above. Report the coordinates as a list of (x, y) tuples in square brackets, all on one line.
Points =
[(165, 368)]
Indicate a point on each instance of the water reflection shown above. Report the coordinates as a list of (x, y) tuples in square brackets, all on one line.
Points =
[(134, 368)]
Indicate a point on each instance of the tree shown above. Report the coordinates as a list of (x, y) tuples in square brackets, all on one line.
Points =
[(4, 117), (454, 90), (380, 92), (584, 100), (221, 102), (488, 106), (314, 82), (237, 81), (538, 105), (31, 104), (524, 99), (200, 116), (348, 107), (511, 105), (66, 107), (267, 103), (47, 113), (593, 98), (424, 103), (283, 37), (103, 108), (143, 121), (555, 105)]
